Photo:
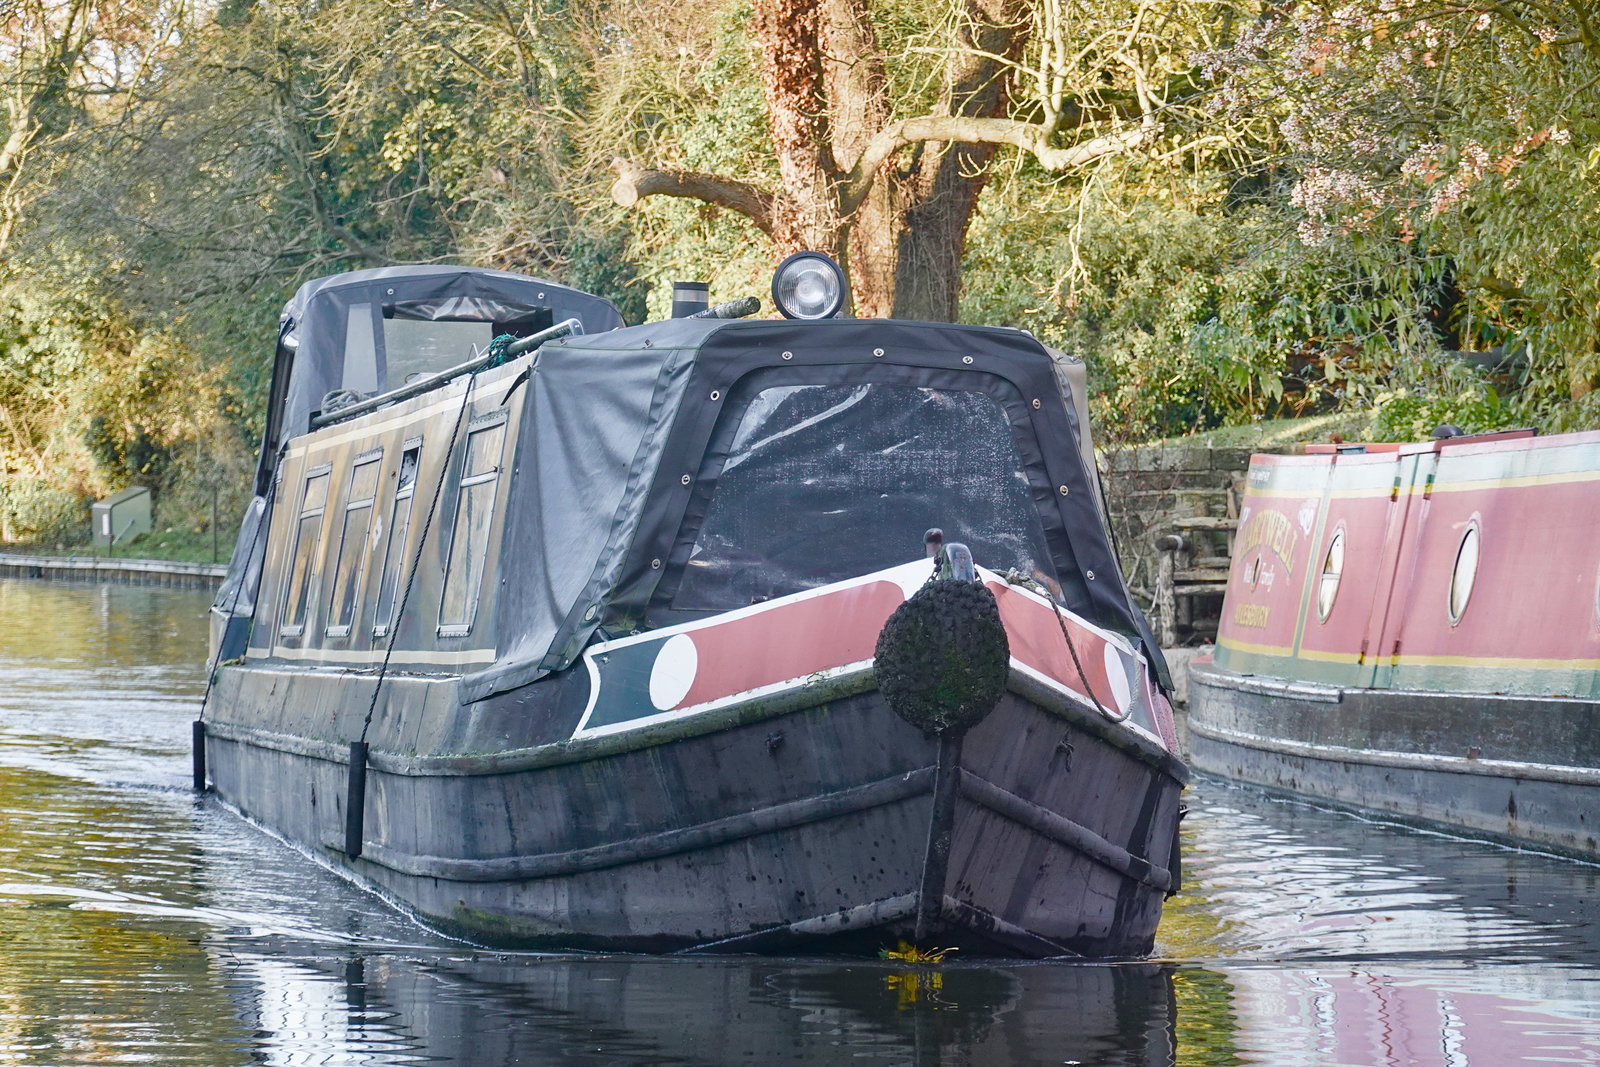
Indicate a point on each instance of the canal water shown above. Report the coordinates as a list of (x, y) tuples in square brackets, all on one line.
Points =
[(139, 924)]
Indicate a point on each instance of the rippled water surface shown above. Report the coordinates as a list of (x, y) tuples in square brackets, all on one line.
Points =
[(141, 925)]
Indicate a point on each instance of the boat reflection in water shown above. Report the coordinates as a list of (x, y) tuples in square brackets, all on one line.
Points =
[(516, 1009), (1421, 1018), (1345, 941)]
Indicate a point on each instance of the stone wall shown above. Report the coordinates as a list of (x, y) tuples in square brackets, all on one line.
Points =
[(1149, 489)]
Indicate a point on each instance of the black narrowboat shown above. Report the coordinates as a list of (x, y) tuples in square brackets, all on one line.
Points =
[(564, 634)]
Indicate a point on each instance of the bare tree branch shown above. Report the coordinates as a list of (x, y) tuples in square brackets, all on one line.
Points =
[(1028, 136), (634, 183)]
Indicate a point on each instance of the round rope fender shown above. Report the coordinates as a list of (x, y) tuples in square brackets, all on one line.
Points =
[(943, 658)]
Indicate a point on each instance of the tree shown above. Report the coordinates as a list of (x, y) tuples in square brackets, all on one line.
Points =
[(66, 65), (1449, 144), (883, 124)]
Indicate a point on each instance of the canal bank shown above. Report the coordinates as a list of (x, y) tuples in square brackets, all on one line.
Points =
[(161, 572)]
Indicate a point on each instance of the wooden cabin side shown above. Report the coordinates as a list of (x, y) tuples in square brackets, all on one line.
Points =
[(352, 503), (1447, 566)]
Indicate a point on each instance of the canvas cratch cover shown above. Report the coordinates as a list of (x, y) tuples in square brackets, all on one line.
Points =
[(683, 468)]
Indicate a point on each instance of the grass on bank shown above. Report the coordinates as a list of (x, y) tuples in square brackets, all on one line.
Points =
[(175, 544)]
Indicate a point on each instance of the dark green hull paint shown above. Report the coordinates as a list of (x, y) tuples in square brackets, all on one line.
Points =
[(781, 824)]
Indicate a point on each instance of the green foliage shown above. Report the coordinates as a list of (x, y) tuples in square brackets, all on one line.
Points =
[(32, 509), (1338, 195)]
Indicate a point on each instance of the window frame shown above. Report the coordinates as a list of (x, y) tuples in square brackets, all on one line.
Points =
[(331, 628), (286, 628), (478, 424), (382, 627)]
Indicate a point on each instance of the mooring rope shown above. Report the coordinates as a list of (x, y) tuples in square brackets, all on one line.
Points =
[(1014, 577), (416, 558)]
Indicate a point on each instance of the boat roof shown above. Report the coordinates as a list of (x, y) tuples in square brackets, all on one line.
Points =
[(314, 321)]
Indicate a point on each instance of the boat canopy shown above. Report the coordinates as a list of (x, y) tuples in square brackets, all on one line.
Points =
[(682, 468), (367, 332), (370, 331)]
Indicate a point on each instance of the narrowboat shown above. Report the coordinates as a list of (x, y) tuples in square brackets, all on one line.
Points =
[(564, 634), (1415, 630)]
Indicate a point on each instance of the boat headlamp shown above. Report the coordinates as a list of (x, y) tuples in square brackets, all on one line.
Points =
[(808, 285)]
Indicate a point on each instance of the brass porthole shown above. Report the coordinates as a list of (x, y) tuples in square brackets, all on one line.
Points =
[(1463, 574), (1328, 581)]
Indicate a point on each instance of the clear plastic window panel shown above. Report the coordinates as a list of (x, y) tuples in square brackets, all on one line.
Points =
[(418, 347), (394, 555), (351, 565), (360, 351), (302, 561), (469, 542), (827, 482)]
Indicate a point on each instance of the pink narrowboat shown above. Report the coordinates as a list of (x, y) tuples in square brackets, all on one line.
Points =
[(1415, 630)]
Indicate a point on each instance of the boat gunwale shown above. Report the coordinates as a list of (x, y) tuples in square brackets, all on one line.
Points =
[(1213, 677), (1074, 709)]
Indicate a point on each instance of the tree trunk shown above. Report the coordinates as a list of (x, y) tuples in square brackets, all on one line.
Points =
[(887, 199)]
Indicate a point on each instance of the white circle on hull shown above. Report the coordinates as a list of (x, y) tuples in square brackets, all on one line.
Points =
[(673, 674), (1121, 694)]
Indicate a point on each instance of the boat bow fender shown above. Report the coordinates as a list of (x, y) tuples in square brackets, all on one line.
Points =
[(942, 659)]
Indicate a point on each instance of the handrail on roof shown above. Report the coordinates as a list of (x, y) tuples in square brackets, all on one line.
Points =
[(433, 381)]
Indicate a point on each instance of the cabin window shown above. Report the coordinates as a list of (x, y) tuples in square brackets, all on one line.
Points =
[(1463, 574), (827, 482), (352, 559), (1328, 582), (399, 524), (469, 541), (301, 586)]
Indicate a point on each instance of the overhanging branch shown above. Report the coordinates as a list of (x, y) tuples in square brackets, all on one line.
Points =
[(634, 183), (1030, 137)]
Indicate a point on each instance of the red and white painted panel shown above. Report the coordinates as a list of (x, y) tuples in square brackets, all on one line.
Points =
[(809, 638)]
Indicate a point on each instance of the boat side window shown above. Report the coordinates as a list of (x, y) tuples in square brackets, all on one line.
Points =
[(301, 584), (1464, 574), (351, 563), (827, 482), (399, 526), (1332, 569), (469, 541)]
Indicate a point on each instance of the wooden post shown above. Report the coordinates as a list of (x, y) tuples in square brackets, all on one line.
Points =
[(1166, 603)]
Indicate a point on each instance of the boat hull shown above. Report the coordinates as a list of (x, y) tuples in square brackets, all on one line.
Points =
[(1516, 769), (773, 826)]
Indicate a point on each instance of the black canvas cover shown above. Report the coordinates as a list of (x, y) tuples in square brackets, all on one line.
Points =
[(318, 322), (317, 325), (680, 468)]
